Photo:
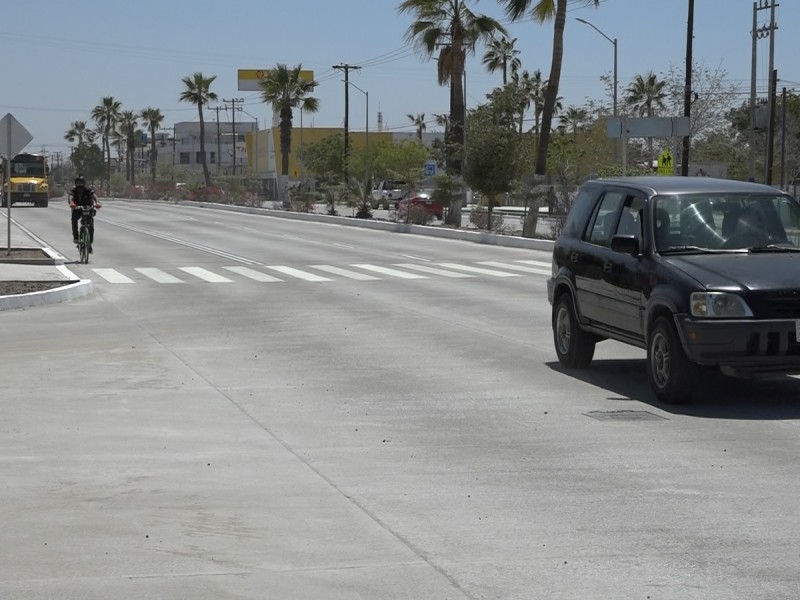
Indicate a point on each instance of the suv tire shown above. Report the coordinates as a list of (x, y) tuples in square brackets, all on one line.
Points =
[(672, 375), (574, 346)]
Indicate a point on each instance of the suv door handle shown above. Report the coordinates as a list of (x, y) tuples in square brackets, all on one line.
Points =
[(607, 267), (573, 257)]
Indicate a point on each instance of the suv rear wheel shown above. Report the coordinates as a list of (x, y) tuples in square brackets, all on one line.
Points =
[(574, 346), (672, 375)]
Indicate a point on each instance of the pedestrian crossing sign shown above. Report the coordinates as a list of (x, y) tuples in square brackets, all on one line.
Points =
[(665, 166)]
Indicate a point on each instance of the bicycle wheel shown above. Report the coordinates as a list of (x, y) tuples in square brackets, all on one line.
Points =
[(83, 244)]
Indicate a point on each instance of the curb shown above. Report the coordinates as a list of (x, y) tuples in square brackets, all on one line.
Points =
[(73, 288)]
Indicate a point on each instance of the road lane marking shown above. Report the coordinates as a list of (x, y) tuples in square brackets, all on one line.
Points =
[(206, 275), (388, 271), (345, 273), (253, 274), (469, 269), (158, 275), (536, 263), (434, 271), (304, 275), (113, 276)]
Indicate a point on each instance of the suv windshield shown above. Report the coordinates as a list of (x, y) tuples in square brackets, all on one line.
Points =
[(755, 222)]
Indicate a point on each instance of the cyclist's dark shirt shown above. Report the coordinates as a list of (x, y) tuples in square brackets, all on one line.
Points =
[(82, 196)]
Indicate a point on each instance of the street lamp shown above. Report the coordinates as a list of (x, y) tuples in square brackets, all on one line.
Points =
[(366, 132), (614, 43)]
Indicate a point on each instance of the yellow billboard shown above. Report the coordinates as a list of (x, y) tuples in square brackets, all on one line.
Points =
[(249, 79)]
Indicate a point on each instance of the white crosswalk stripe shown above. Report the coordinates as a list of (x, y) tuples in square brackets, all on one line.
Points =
[(434, 271), (345, 273), (304, 275), (471, 269), (206, 275), (158, 275), (113, 276), (390, 272), (252, 274), (521, 268), (536, 263)]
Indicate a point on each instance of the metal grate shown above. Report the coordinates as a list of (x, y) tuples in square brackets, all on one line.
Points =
[(624, 415), (26, 187)]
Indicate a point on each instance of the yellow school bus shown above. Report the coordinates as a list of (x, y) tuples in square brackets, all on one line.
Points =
[(28, 180)]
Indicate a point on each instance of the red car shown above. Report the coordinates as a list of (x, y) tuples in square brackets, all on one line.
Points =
[(421, 199)]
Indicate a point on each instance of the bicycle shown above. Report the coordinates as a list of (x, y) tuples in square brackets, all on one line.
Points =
[(84, 235)]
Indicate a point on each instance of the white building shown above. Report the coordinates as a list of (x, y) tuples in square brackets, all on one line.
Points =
[(225, 146)]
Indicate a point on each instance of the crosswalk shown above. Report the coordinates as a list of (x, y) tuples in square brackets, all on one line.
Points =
[(323, 273)]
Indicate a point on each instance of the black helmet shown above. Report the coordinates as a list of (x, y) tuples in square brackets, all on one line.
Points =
[(80, 179)]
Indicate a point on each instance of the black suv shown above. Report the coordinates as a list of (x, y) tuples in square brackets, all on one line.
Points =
[(700, 272)]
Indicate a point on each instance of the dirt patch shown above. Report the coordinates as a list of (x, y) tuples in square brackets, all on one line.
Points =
[(20, 254), (11, 288)]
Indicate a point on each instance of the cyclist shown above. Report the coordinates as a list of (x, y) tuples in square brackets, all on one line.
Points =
[(81, 195)]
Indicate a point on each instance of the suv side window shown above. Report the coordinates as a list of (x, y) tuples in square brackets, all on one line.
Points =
[(630, 222), (579, 214), (604, 223)]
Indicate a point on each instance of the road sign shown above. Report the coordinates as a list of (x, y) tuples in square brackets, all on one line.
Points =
[(665, 163), (430, 169), (13, 136)]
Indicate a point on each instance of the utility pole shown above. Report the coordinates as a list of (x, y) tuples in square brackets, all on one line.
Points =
[(233, 102), (773, 83), (219, 142), (346, 68), (687, 92), (758, 33)]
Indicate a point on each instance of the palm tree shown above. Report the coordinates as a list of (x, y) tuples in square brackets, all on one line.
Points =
[(542, 11), (574, 118), (419, 122), (127, 127), (198, 92), (501, 54), (152, 119), (450, 27), (80, 132), (106, 115), (645, 96), (284, 90)]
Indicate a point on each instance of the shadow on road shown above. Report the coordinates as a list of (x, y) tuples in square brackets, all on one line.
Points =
[(716, 396)]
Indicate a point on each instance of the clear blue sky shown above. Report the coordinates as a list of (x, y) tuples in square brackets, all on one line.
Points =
[(81, 50)]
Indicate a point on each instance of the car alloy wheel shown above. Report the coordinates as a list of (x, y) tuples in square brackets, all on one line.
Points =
[(672, 375), (574, 346)]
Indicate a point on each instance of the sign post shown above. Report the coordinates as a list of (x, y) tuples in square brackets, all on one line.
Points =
[(13, 138)]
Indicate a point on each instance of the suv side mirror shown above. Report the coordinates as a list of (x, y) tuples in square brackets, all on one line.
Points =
[(626, 244)]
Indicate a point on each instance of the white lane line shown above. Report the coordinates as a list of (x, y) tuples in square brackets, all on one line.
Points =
[(158, 275), (469, 269), (252, 274), (434, 271), (113, 276), (206, 275), (521, 268), (345, 273), (304, 275), (536, 263), (390, 272)]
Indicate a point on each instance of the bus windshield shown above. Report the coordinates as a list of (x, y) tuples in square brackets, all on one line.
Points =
[(27, 167)]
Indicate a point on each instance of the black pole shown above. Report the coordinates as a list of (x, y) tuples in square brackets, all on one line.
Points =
[(773, 84), (687, 93)]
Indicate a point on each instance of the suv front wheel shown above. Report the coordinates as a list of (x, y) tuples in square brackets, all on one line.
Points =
[(574, 346), (671, 374)]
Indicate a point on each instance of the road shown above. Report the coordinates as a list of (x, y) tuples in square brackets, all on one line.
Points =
[(254, 407)]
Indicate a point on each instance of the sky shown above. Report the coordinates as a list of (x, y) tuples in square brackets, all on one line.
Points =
[(60, 62)]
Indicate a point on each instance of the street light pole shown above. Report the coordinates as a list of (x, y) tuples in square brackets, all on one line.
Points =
[(613, 43)]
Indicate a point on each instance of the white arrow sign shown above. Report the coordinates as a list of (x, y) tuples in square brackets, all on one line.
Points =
[(13, 136)]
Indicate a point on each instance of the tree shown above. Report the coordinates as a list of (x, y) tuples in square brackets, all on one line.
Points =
[(419, 123), (79, 132), (450, 27), (543, 11), (88, 160), (492, 155), (284, 89), (198, 92), (127, 127), (573, 119), (152, 119), (646, 95), (325, 157), (501, 54), (105, 115)]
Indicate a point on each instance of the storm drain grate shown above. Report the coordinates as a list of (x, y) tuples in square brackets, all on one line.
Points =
[(624, 415)]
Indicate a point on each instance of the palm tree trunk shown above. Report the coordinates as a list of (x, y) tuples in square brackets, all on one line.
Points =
[(286, 139), (551, 92), (206, 174), (153, 153)]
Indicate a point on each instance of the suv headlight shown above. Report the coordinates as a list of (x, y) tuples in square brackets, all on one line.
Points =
[(719, 304)]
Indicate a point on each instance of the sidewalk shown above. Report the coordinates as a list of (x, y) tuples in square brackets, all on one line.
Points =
[(46, 272)]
